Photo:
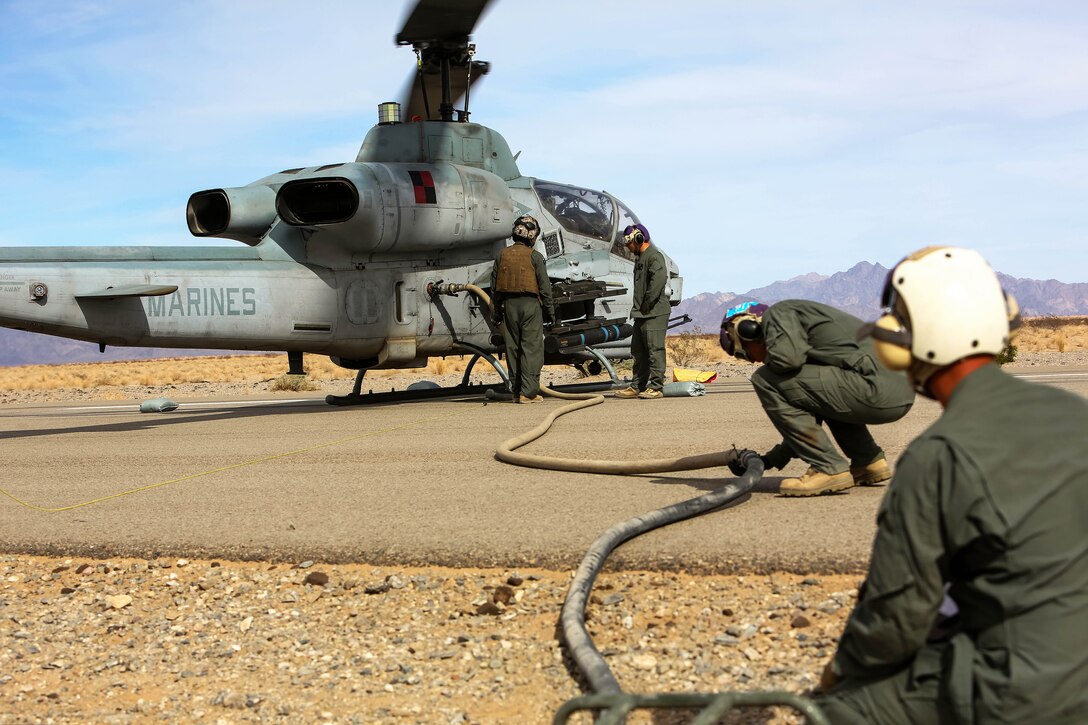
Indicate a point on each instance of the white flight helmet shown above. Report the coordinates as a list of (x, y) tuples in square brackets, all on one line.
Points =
[(941, 304)]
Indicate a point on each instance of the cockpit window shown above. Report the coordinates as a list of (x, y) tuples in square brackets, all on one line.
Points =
[(627, 218), (580, 211)]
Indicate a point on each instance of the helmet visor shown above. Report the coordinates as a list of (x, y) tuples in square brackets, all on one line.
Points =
[(888, 296), (730, 340), (725, 338), (525, 228)]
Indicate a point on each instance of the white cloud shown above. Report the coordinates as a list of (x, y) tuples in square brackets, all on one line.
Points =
[(776, 138)]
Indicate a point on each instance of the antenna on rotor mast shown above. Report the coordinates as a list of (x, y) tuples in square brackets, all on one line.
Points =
[(462, 116), (438, 31)]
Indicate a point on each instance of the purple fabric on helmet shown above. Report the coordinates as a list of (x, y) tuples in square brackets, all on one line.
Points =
[(751, 308), (725, 336), (631, 227)]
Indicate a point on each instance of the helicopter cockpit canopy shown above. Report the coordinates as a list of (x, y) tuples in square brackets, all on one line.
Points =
[(589, 213)]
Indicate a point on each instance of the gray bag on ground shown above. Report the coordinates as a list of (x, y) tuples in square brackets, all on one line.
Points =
[(683, 390), (158, 405)]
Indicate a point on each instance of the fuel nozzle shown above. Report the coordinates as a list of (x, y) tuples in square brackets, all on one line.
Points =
[(743, 460), (445, 288)]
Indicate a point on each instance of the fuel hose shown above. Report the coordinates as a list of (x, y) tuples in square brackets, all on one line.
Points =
[(572, 617), (508, 454)]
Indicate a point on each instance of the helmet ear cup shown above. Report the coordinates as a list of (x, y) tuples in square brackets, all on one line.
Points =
[(749, 330), (1013, 309), (891, 341)]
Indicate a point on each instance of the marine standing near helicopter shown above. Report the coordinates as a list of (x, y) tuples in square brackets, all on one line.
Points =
[(522, 298), (989, 505), (816, 372), (650, 308)]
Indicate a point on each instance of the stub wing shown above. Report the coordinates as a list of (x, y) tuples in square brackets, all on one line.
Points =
[(129, 290)]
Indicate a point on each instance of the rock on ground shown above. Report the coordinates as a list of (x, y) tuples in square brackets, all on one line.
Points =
[(132, 641)]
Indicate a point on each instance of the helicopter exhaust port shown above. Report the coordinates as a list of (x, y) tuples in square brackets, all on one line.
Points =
[(365, 207), (243, 213), (324, 200)]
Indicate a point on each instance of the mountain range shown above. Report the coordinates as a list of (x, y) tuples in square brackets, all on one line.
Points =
[(31, 348), (856, 291)]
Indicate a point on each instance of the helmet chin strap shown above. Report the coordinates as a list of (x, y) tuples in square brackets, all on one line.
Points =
[(919, 374)]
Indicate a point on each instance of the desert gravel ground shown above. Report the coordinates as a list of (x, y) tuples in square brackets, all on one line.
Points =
[(195, 641), (127, 641)]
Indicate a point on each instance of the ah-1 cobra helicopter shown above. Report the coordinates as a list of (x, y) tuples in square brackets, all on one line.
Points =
[(371, 261)]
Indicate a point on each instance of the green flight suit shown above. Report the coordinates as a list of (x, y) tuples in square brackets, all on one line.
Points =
[(650, 308), (524, 314), (817, 372), (990, 503)]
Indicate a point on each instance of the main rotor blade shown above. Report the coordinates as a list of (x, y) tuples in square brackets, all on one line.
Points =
[(441, 20)]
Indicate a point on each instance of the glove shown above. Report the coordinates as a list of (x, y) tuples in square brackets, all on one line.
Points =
[(777, 458), (736, 466), (828, 678)]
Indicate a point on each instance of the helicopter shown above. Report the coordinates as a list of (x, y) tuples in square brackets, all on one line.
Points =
[(381, 262)]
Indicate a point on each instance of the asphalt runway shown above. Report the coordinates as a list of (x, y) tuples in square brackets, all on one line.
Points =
[(417, 483)]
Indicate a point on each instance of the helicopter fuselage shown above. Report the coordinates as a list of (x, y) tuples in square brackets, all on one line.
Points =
[(338, 259)]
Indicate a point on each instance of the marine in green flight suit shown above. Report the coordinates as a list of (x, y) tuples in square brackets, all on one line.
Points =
[(522, 299), (987, 513), (650, 308), (816, 372)]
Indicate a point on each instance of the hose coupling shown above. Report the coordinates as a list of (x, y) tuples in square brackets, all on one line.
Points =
[(445, 288)]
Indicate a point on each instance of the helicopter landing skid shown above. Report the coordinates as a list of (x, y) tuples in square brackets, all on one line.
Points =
[(606, 364), (477, 354), (401, 396), (356, 397)]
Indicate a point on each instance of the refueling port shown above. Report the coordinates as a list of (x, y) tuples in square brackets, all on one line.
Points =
[(446, 288)]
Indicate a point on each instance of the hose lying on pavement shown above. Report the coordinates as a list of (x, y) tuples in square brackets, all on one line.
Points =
[(507, 453), (572, 618)]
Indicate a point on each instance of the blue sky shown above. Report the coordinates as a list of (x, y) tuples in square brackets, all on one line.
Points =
[(757, 140)]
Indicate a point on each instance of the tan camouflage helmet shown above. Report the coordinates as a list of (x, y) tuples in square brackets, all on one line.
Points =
[(525, 230)]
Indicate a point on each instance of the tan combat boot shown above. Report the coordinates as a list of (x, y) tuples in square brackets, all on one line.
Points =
[(536, 399), (813, 483), (627, 392), (651, 394), (870, 475)]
